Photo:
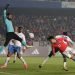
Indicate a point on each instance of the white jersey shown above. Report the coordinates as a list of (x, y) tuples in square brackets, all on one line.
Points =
[(11, 42), (64, 36), (18, 43), (22, 36)]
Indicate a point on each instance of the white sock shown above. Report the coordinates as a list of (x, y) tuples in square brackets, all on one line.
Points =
[(21, 58), (65, 64), (15, 56), (45, 61), (7, 60)]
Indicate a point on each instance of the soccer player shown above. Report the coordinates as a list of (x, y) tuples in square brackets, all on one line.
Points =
[(15, 46), (63, 45), (57, 49), (9, 29), (50, 55), (23, 48), (66, 37)]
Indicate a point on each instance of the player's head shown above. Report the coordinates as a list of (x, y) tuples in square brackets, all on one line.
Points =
[(51, 39), (20, 29), (9, 16), (65, 33)]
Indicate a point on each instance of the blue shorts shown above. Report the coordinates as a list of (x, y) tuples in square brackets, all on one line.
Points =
[(12, 49)]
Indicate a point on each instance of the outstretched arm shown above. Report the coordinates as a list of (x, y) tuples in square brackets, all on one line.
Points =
[(5, 11)]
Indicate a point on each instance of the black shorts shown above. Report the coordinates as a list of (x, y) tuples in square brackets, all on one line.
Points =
[(11, 35)]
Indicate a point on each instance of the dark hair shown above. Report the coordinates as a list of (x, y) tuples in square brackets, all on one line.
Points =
[(65, 33), (50, 37), (8, 15), (20, 29)]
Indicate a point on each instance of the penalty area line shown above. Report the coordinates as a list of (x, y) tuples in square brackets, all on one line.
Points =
[(7, 73)]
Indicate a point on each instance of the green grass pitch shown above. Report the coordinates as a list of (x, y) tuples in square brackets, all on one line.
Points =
[(53, 67)]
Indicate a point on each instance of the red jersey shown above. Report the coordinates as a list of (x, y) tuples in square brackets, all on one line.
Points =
[(61, 44)]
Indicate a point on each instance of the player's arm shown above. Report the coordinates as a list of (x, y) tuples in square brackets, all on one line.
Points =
[(27, 46), (23, 38), (5, 11), (69, 42), (24, 47)]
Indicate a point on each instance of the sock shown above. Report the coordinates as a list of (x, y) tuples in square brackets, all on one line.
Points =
[(15, 56), (21, 58), (65, 64), (23, 43), (45, 61), (7, 60)]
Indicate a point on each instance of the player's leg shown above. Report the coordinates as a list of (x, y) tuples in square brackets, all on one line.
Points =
[(7, 60), (21, 58), (15, 57), (65, 62), (10, 52), (46, 59), (70, 53), (8, 38)]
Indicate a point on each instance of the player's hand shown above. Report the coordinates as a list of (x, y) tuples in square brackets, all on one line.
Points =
[(7, 5), (24, 50)]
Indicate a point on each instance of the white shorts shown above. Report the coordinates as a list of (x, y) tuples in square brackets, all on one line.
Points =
[(69, 52)]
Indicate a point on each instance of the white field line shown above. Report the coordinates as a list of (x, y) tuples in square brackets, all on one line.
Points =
[(7, 73)]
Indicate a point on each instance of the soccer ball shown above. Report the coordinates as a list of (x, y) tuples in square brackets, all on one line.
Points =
[(31, 35)]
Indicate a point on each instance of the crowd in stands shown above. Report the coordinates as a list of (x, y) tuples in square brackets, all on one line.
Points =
[(53, 0), (42, 26), (63, 0)]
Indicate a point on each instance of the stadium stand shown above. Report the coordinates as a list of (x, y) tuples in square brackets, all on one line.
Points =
[(42, 26)]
